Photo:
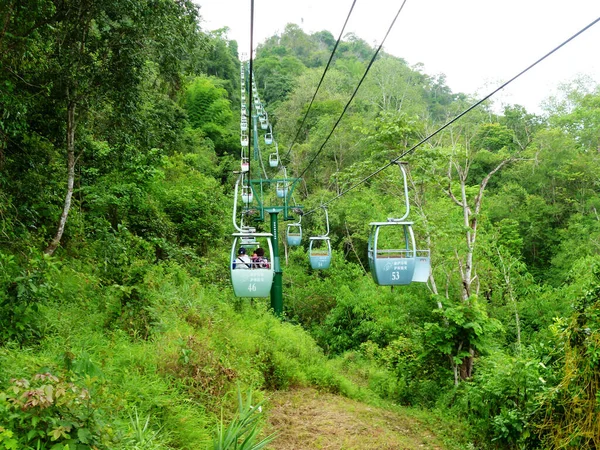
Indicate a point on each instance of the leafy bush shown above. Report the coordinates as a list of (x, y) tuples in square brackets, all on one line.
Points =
[(357, 317), (50, 412), (416, 381), (23, 288), (502, 397), (463, 327)]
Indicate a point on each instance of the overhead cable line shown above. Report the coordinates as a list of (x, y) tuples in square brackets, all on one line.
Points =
[(447, 124), (320, 81), (355, 91)]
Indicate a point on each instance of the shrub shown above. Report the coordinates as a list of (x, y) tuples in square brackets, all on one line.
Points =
[(48, 411), (502, 396), (22, 289)]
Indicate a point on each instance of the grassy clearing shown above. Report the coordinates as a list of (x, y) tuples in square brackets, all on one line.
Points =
[(309, 419)]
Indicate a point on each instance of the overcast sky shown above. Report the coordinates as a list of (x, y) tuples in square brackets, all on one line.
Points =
[(477, 44)]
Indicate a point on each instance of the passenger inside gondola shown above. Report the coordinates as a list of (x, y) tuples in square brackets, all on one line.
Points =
[(242, 261), (258, 259)]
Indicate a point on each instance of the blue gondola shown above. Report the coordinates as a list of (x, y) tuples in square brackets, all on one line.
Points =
[(281, 189), (400, 263), (294, 233), (269, 136), (248, 280), (319, 250), (392, 266)]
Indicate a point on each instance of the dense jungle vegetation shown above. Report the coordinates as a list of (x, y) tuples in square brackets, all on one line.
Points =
[(119, 135)]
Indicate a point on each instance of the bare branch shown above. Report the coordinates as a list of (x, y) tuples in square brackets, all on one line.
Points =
[(485, 181), (460, 264), (449, 190), (452, 197)]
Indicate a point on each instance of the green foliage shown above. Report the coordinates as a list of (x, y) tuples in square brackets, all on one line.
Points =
[(502, 398), (23, 290), (493, 137), (193, 203), (144, 437), (243, 431), (222, 60), (406, 374), (209, 109), (461, 326), (578, 113), (276, 74), (49, 412), (7, 440), (358, 317), (568, 412)]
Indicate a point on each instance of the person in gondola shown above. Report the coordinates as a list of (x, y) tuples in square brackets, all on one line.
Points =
[(258, 259), (242, 261)]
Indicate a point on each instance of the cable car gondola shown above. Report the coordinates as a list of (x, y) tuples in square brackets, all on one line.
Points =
[(274, 158), (247, 196), (281, 189), (269, 136), (264, 121), (397, 262), (264, 124), (245, 161), (319, 249), (294, 233), (249, 279)]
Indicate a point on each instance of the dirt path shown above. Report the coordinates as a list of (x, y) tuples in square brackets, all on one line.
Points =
[(308, 419)]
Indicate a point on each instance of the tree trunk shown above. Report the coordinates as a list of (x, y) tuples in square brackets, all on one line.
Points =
[(470, 224), (466, 368), (509, 288), (454, 370), (70, 179)]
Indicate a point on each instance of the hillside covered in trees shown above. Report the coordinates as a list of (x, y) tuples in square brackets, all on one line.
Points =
[(119, 139)]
